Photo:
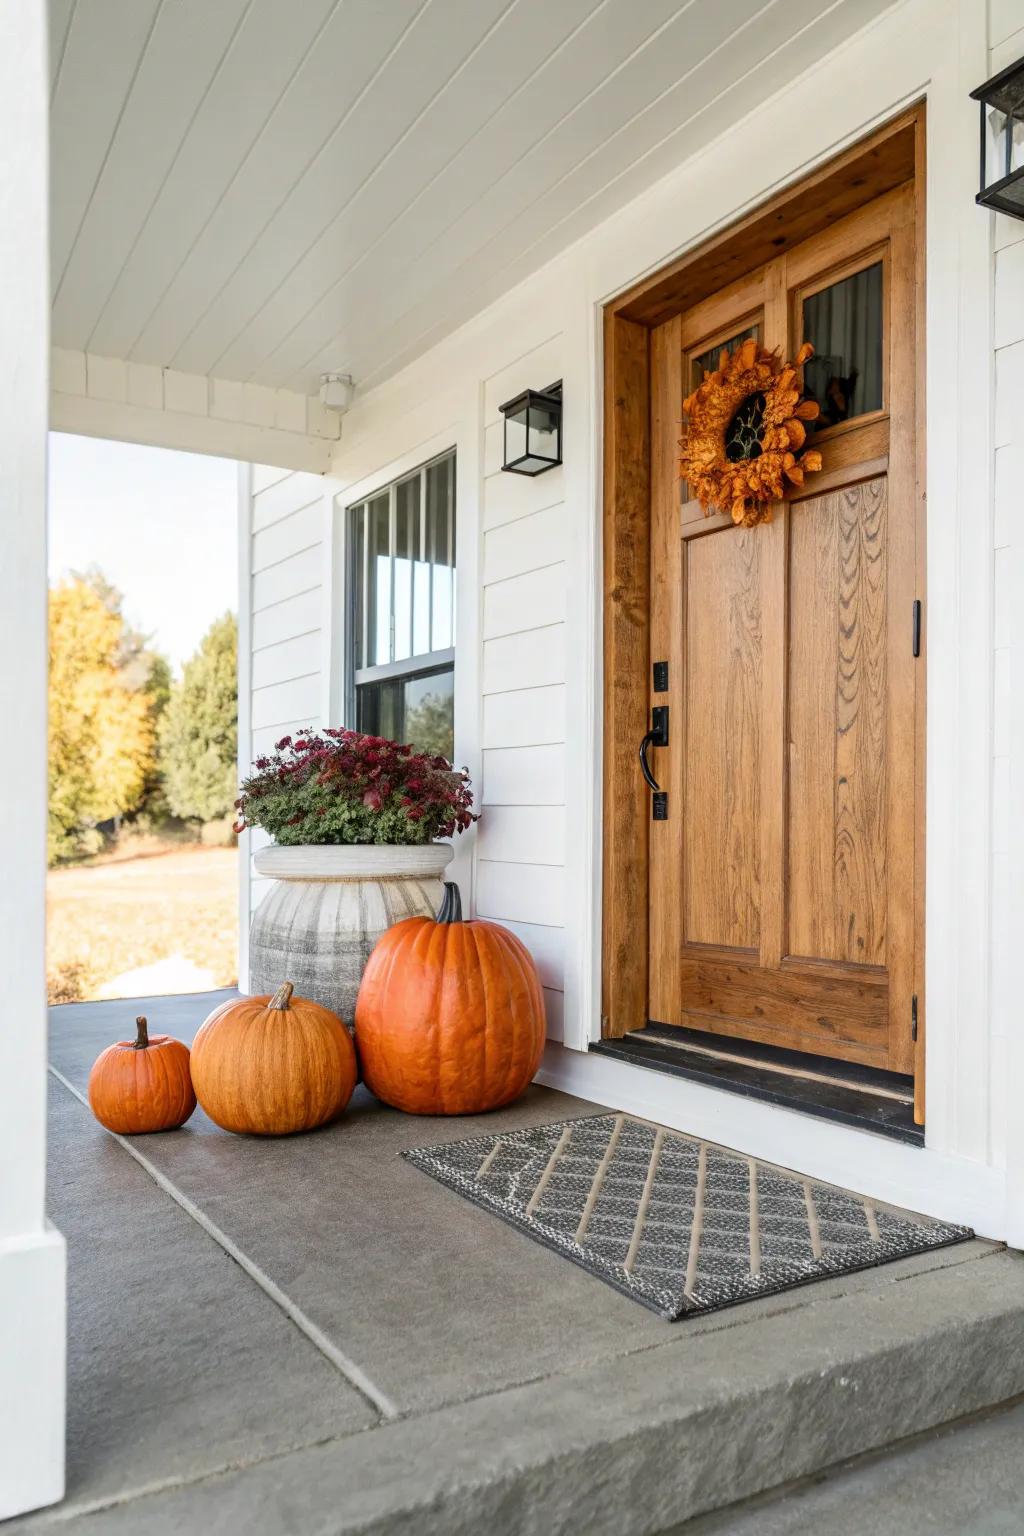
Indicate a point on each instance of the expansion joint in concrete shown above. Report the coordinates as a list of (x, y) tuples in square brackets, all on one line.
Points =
[(352, 1372)]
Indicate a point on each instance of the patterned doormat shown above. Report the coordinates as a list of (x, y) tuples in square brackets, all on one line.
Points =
[(682, 1225)]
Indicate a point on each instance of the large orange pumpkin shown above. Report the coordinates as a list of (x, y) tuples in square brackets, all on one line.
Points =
[(450, 1015), (142, 1084), (273, 1065)]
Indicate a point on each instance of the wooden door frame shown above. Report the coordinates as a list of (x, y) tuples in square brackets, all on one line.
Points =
[(890, 157)]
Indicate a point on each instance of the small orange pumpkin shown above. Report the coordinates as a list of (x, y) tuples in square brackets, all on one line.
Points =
[(450, 1014), (268, 1066), (142, 1084)]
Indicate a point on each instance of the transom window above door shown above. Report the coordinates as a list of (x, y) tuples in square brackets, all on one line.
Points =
[(401, 602), (704, 358), (844, 323), (706, 361)]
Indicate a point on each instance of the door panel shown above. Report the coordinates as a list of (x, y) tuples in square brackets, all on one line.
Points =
[(836, 823), (782, 884), (795, 1007), (722, 748)]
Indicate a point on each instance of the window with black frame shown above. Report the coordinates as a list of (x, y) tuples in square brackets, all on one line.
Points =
[(401, 584)]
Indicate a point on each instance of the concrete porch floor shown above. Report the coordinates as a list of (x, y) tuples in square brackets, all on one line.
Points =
[(308, 1335)]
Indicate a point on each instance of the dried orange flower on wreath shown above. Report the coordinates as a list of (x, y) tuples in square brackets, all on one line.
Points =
[(744, 432)]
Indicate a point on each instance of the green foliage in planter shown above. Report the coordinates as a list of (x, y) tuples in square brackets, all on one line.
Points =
[(344, 787)]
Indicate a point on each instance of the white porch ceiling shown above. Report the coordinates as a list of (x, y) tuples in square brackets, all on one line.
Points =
[(262, 189)]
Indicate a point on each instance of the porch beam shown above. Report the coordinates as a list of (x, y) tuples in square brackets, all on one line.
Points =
[(108, 397)]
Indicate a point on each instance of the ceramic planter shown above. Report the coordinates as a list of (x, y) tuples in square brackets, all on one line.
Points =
[(328, 906)]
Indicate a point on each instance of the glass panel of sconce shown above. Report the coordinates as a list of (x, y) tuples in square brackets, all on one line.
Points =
[(533, 431), (1002, 141)]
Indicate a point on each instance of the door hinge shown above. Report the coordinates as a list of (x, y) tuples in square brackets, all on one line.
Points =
[(917, 626), (913, 1018)]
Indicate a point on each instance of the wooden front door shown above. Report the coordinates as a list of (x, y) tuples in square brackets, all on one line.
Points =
[(784, 882)]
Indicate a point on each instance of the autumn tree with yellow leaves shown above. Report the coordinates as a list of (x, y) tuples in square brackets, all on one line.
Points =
[(105, 694)]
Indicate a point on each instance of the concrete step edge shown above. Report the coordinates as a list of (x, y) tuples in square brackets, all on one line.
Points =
[(639, 1444)]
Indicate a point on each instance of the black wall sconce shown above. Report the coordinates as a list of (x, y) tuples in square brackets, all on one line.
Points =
[(533, 430), (1002, 141)]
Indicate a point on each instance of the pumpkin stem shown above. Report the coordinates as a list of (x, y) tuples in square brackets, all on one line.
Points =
[(142, 1038), (450, 910), (282, 997)]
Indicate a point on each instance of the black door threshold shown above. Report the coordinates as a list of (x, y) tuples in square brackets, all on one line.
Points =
[(863, 1097)]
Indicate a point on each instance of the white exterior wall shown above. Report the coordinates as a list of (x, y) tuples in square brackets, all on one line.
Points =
[(528, 683), (1006, 38), (283, 600), (523, 576), (511, 606)]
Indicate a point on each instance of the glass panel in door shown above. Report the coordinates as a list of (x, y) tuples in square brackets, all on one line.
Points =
[(844, 324)]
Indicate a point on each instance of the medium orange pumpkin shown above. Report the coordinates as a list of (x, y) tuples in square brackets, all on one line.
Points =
[(450, 1015), (269, 1066), (142, 1084)]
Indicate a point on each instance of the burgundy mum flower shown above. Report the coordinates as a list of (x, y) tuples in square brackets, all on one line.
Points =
[(361, 788)]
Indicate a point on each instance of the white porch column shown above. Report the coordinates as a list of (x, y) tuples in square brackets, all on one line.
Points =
[(32, 1306)]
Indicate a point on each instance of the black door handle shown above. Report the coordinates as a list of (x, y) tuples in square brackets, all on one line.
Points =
[(657, 736)]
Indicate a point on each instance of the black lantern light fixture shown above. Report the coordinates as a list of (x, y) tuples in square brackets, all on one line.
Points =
[(533, 430), (1002, 141)]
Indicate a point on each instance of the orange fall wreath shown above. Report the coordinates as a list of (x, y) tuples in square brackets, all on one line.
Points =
[(744, 432)]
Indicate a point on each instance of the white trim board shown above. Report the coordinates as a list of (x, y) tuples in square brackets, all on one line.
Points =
[(162, 408), (33, 1330), (246, 480)]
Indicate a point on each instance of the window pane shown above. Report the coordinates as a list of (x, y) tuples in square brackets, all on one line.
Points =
[(440, 545), (707, 362), (376, 709), (419, 710), (357, 526), (378, 583), (428, 706), (844, 325), (421, 591), (407, 539)]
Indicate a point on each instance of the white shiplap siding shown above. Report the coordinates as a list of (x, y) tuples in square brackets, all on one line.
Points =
[(286, 553), (1007, 43), (521, 837)]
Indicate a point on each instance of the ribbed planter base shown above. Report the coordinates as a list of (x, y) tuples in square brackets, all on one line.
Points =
[(326, 909)]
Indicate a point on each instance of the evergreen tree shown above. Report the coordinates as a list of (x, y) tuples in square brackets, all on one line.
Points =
[(199, 728)]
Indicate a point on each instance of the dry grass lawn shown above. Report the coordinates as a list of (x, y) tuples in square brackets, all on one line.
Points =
[(116, 915)]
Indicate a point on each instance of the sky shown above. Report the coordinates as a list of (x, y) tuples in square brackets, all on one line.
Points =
[(162, 526)]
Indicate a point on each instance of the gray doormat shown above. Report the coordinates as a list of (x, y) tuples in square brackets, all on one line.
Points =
[(682, 1225)]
